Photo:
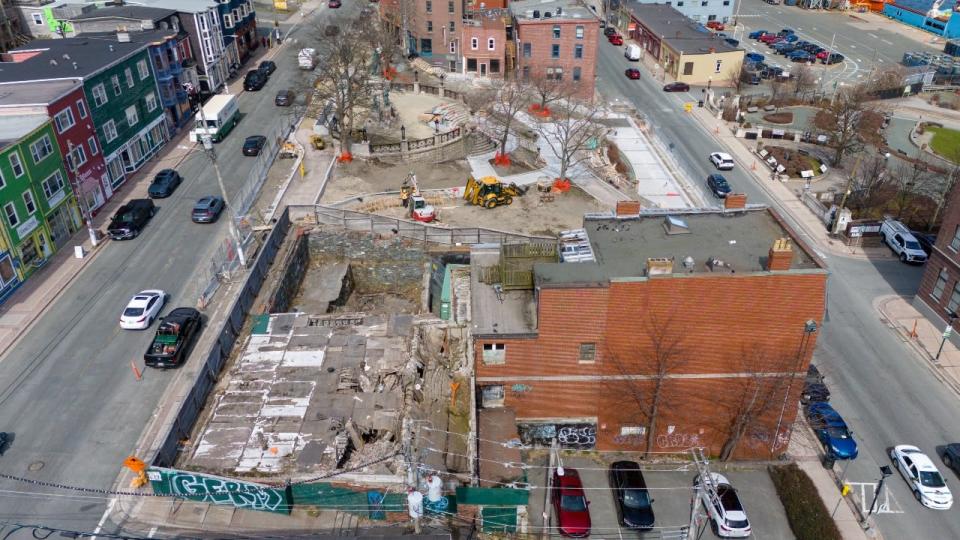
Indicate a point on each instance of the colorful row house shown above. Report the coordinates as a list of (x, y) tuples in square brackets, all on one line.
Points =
[(38, 209)]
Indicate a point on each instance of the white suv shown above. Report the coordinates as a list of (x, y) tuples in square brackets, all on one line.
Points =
[(727, 516), (902, 242), (722, 161)]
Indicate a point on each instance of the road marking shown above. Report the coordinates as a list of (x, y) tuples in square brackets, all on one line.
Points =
[(887, 42), (886, 502), (103, 519), (853, 46), (874, 36)]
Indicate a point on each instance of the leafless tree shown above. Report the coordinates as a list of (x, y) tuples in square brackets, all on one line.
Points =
[(760, 395), (511, 97), (911, 180), (345, 80), (867, 182), (778, 91), (804, 80), (548, 89), (569, 131), (658, 353), (843, 116), (737, 76), (383, 36)]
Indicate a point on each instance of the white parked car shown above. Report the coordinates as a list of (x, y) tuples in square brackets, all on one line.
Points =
[(727, 516), (902, 242), (722, 161), (922, 476), (142, 309)]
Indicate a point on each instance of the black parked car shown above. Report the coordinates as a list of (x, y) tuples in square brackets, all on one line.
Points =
[(926, 241), (164, 184), (254, 81), (285, 98), (634, 505), (207, 209), (951, 456), (267, 67), (718, 185), (814, 392), (253, 145), (130, 219), (833, 58), (609, 31)]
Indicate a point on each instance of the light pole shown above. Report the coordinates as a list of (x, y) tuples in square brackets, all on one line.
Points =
[(947, 332), (81, 199), (212, 154), (809, 328), (884, 473)]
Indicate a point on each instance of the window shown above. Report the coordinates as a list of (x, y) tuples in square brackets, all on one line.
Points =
[(228, 20), (3, 182), (129, 76), (110, 130), (99, 95), (41, 149), (471, 65), (474, 43), (491, 44), (453, 48), (627, 431), (16, 165), (64, 120), (450, 7), (588, 353), (92, 144), (494, 353), (82, 107), (526, 73), (52, 185), (494, 66), (954, 299), (429, 26), (426, 45), (429, 6), (115, 83), (76, 158), (453, 27), (556, 31), (579, 32), (132, 117), (11, 212), (578, 51), (688, 68), (142, 69), (28, 202), (680, 3), (555, 51), (37, 19), (726, 2), (716, 67), (526, 50), (6, 271), (492, 396), (955, 242), (576, 74), (940, 285), (151, 101), (558, 74)]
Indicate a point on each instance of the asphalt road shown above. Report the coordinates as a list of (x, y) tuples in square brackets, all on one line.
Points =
[(879, 385), (67, 391)]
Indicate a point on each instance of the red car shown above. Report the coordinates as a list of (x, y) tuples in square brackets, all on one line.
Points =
[(715, 25), (677, 87), (632, 73), (770, 38), (333, 4), (823, 54), (616, 39), (570, 504)]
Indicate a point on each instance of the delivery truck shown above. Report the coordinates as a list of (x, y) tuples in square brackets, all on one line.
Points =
[(632, 52), (220, 113)]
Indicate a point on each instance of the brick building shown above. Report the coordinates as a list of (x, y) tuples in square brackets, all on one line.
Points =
[(718, 309), (558, 40), (432, 28), (484, 39), (939, 295)]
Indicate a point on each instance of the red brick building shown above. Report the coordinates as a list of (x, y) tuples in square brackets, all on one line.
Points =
[(432, 28), (718, 311), (484, 44), (558, 40), (939, 295)]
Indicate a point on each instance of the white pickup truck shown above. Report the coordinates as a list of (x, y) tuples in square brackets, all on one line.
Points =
[(307, 59), (902, 242)]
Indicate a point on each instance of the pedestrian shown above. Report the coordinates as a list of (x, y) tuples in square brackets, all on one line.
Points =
[(405, 196), (263, 41), (415, 507), (434, 488)]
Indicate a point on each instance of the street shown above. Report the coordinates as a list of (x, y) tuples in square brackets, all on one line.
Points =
[(880, 387), (69, 396)]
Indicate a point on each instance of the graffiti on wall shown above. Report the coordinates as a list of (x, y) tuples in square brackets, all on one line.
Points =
[(218, 490), (675, 439), (574, 436)]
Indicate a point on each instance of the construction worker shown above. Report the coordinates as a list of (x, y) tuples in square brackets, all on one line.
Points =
[(405, 193)]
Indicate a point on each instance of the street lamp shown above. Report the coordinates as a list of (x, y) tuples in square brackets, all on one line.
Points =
[(884, 473), (403, 133), (947, 332), (809, 328)]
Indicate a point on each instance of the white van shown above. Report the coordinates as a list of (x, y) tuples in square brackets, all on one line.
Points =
[(221, 113), (632, 52)]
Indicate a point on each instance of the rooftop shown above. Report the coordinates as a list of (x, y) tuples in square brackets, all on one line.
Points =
[(550, 9), (185, 6), (74, 58), (12, 128), (139, 13), (715, 242), (34, 93), (681, 33), (496, 311)]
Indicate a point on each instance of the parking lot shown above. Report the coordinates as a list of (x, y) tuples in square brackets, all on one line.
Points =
[(868, 41), (670, 487)]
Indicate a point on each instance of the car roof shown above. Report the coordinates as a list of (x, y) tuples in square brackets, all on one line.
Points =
[(630, 471), (722, 155), (570, 480), (921, 460), (181, 314)]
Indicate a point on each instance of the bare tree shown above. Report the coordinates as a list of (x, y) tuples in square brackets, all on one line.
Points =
[(910, 181), (867, 182), (804, 80), (842, 121), (570, 130), (737, 77), (511, 98), (548, 89), (778, 91), (345, 81), (659, 353), (760, 395)]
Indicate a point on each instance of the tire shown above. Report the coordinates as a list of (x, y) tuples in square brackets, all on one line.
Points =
[(903, 257), (492, 203), (508, 201), (948, 461), (916, 495)]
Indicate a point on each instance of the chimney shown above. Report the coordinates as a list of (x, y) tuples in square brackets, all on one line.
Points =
[(659, 266), (781, 255), (628, 208), (123, 37), (735, 201)]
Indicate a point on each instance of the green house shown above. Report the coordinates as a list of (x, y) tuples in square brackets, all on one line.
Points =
[(38, 209)]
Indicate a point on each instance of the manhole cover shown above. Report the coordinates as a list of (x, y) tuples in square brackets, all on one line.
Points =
[(35, 466)]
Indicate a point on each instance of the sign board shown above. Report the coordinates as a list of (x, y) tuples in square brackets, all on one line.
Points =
[(280, 5), (947, 332), (823, 168), (27, 227), (688, 107), (806, 174)]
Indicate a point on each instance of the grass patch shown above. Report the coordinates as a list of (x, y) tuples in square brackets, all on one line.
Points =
[(945, 142), (808, 516)]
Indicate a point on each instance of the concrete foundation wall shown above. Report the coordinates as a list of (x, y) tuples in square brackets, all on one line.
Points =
[(377, 264)]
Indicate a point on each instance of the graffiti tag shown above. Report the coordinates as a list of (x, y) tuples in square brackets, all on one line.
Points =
[(222, 491), (577, 436), (678, 440)]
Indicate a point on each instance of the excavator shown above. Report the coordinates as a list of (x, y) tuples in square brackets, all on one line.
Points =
[(489, 192), (418, 207)]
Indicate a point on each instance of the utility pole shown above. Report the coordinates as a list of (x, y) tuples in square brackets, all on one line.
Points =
[(75, 185), (846, 193), (809, 328), (212, 154)]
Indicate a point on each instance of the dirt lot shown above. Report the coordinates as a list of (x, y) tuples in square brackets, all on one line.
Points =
[(527, 214), (373, 177)]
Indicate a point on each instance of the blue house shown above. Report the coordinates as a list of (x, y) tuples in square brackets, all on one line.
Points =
[(945, 21), (170, 58), (239, 22)]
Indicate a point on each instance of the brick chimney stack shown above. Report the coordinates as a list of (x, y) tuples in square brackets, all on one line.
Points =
[(780, 256)]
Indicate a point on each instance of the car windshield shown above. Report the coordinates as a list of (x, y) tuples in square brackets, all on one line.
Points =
[(573, 503), (721, 182), (931, 479), (634, 498), (729, 499), (912, 245), (837, 433), (737, 524), (124, 218), (133, 312)]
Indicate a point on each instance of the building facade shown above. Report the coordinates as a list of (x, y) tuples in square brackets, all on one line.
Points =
[(484, 44), (238, 19), (432, 28), (938, 297), (699, 11), (77, 140), (556, 40), (175, 70), (39, 19), (671, 311), (917, 13)]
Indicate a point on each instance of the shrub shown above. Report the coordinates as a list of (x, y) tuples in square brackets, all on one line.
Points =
[(808, 516)]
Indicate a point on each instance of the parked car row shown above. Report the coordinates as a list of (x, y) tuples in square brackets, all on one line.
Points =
[(824, 420), (634, 506), (787, 43), (256, 79)]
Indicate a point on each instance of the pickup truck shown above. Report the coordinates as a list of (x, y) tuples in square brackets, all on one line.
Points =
[(902, 242), (176, 332), (130, 219)]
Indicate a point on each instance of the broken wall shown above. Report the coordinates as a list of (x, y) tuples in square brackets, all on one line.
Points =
[(377, 265)]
